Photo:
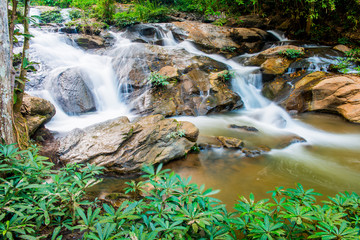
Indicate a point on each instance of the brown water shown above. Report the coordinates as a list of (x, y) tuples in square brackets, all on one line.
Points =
[(327, 169)]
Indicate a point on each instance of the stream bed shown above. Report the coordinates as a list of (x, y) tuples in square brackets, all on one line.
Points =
[(328, 161)]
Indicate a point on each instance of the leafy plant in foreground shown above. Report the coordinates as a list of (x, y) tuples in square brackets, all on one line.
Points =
[(170, 207)]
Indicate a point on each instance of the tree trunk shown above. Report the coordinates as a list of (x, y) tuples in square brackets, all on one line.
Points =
[(21, 84), (13, 17), (6, 94), (309, 20)]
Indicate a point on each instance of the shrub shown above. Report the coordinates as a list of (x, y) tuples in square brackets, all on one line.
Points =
[(124, 19), (51, 17), (158, 80), (75, 14), (291, 53), (38, 202), (225, 76)]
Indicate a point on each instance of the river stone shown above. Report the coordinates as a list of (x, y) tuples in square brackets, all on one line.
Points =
[(89, 41), (122, 146), (221, 39), (342, 48), (270, 60), (198, 90), (338, 94), (37, 111), (169, 72), (71, 91)]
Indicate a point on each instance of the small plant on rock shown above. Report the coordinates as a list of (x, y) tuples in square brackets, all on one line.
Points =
[(292, 53), (51, 17), (158, 80), (225, 76)]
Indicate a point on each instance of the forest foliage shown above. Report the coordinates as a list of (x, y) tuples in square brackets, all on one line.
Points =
[(311, 18), (37, 202)]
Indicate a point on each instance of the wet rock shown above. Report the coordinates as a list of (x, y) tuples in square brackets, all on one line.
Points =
[(37, 112), (71, 91), (196, 88), (122, 146), (89, 41), (169, 72), (154, 33), (342, 48), (338, 94), (206, 142), (216, 39), (231, 142), (286, 141), (270, 60), (245, 128)]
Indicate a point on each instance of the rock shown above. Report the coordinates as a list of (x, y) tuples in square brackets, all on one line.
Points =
[(215, 39), (338, 94), (169, 72), (276, 66), (271, 61), (286, 141), (71, 91), (231, 142), (122, 146), (342, 48), (205, 142), (198, 89), (37, 111), (245, 128), (89, 41), (218, 142)]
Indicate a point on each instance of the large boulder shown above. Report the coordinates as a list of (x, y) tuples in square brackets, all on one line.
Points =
[(122, 146), (271, 61), (71, 91), (194, 89), (89, 41), (37, 112), (217, 39), (338, 94)]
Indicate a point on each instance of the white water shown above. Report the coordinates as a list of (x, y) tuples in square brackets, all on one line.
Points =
[(279, 35), (56, 55)]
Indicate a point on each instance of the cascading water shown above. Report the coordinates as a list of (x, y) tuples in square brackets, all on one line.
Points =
[(313, 162), (56, 55)]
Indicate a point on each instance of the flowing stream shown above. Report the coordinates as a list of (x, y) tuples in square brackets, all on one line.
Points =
[(328, 161)]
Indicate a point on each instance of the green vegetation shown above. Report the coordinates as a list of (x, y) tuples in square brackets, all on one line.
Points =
[(75, 14), (292, 53), (143, 11), (304, 18), (158, 80), (51, 17), (226, 76), (350, 62), (39, 202)]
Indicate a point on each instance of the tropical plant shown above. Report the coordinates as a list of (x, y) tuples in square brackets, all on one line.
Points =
[(291, 53), (158, 80), (39, 202)]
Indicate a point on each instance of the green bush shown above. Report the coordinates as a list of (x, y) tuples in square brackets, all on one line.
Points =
[(292, 53), (75, 14), (39, 202), (124, 19), (51, 17), (158, 80), (345, 64)]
